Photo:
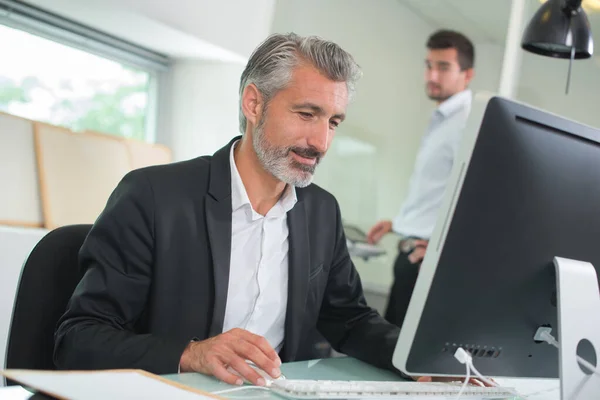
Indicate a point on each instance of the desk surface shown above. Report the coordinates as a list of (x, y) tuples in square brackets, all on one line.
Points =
[(347, 368), (330, 369), (344, 368)]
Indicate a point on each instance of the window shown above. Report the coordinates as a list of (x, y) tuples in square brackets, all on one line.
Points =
[(51, 82), (59, 71)]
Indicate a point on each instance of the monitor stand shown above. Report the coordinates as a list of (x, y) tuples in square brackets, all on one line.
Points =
[(578, 299)]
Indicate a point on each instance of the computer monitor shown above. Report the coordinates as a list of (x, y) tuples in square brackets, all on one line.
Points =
[(525, 189)]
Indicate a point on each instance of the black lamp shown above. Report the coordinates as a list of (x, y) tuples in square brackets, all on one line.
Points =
[(560, 29)]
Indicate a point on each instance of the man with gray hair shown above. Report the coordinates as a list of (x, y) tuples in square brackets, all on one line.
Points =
[(207, 264)]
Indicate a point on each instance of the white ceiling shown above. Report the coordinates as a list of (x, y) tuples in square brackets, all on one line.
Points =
[(483, 21), (226, 30), (229, 29)]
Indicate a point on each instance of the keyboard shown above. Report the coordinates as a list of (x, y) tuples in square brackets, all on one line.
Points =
[(321, 389)]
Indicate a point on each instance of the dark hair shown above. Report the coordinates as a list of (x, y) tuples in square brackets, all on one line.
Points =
[(447, 39)]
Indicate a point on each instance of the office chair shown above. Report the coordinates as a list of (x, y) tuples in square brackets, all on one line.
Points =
[(48, 279)]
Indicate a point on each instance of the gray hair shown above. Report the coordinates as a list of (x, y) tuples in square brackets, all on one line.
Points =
[(270, 66)]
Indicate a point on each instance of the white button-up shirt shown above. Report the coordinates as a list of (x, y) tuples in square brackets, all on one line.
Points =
[(258, 276), (433, 165)]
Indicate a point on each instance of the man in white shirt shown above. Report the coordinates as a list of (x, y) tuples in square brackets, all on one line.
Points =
[(449, 69)]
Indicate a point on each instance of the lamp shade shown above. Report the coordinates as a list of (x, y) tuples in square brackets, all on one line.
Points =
[(556, 28)]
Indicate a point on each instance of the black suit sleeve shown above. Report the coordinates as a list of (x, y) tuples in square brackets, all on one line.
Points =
[(98, 329), (345, 320)]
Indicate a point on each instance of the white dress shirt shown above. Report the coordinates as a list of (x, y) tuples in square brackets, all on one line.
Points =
[(258, 276), (439, 146)]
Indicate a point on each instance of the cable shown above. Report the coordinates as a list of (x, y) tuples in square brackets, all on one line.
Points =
[(481, 377), (465, 361), (236, 389), (543, 335), (465, 358), (492, 383)]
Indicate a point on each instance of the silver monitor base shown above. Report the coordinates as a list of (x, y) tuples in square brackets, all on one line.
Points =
[(578, 298)]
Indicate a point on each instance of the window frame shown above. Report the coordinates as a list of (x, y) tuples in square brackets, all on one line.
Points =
[(42, 23)]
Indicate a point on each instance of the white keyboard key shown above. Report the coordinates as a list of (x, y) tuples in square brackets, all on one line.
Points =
[(314, 389)]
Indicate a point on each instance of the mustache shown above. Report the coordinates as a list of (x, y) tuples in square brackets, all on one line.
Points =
[(308, 152)]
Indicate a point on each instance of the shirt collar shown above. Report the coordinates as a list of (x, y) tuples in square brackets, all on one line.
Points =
[(288, 199), (239, 196), (454, 103)]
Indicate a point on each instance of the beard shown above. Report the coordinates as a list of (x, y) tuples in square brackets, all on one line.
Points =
[(439, 96), (277, 161)]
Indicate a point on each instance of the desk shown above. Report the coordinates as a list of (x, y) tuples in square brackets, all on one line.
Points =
[(345, 368)]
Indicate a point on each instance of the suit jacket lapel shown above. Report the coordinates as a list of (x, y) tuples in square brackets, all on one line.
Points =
[(299, 268), (218, 223)]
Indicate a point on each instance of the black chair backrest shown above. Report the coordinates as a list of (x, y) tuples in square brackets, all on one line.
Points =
[(48, 279)]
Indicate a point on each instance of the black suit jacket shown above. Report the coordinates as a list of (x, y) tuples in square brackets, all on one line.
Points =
[(157, 269)]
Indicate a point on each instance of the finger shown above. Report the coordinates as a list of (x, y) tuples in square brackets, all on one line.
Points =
[(217, 368), (373, 235), (483, 383), (440, 379), (416, 256), (370, 238), (411, 258), (251, 352), (264, 346), (475, 382), (375, 238), (242, 368)]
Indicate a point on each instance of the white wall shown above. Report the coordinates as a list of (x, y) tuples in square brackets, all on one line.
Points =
[(488, 65), (390, 111), (202, 113), (543, 81)]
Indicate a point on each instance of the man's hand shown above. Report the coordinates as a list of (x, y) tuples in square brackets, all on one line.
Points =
[(472, 381), (417, 255), (230, 350), (378, 231)]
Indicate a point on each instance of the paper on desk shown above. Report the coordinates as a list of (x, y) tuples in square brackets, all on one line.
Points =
[(101, 385)]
